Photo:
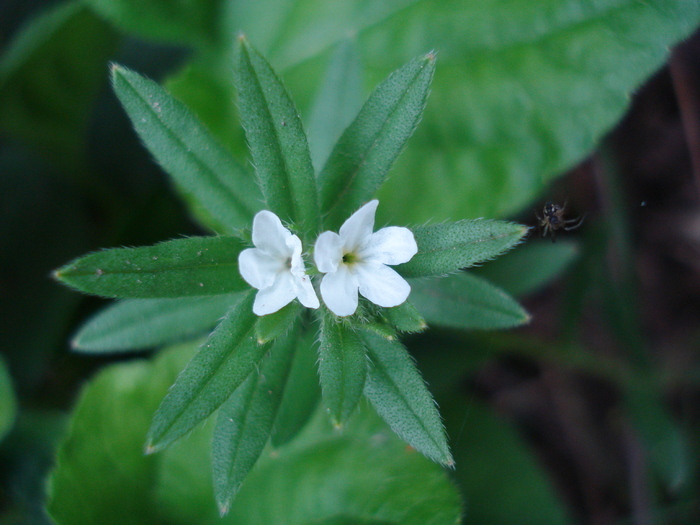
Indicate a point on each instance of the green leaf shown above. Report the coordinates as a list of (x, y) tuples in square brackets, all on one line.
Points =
[(270, 326), (445, 248), (167, 20), (337, 102), (277, 140), (145, 323), (204, 170), (222, 363), (342, 366), (466, 302), (398, 393), (530, 267), (177, 268), (361, 159), (8, 403), (301, 392), (245, 421), (50, 75), (405, 318)]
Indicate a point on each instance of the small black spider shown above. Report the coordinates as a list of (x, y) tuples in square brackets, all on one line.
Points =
[(553, 220)]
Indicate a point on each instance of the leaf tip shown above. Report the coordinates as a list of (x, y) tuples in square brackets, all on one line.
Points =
[(224, 507), (149, 448)]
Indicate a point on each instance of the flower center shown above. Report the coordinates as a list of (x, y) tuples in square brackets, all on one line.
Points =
[(350, 258)]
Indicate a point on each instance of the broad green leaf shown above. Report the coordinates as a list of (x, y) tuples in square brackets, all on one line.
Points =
[(245, 421), (524, 91), (50, 75), (466, 302), (277, 140), (272, 325), (168, 20), (8, 403), (398, 393), (177, 268), (145, 323), (337, 102), (101, 474), (360, 161), (445, 248), (405, 318), (530, 267), (342, 366), (206, 172), (222, 363), (302, 390)]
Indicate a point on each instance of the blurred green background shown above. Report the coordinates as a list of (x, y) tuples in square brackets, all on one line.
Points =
[(589, 414)]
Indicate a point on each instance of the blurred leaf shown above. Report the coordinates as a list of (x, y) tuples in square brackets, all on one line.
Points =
[(245, 421), (301, 392), (398, 393), (342, 367), (530, 267), (49, 77), (215, 183), (336, 103), (8, 403), (361, 159), (364, 474), (500, 478), (222, 363), (444, 248), (181, 267), (272, 325), (145, 323), (277, 140), (170, 20), (466, 302), (523, 92)]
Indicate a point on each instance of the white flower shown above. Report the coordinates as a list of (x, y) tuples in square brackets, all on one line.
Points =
[(275, 266), (355, 259)]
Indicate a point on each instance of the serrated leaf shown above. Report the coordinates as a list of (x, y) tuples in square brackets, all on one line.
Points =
[(49, 79), (198, 163), (145, 323), (276, 139), (301, 392), (222, 363), (398, 393), (405, 318), (361, 159), (342, 366), (466, 302), (245, 421), (444, 248), (337, 102), (177, 268), (270, 326)]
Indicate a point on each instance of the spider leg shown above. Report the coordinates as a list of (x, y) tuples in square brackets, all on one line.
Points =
[(575, 222)]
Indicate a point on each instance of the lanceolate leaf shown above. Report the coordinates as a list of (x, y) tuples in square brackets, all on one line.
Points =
[(466, 302), (277, 140), (342, 365), (274, 324), (144, 323), (362, 157), (182, 267), (245, 421), (444, 248), (203, 168), (220, 366), (398, 393)]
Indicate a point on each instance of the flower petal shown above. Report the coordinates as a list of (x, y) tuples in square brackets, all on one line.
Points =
[(273, 298), (305, 292), (270, 236), (339, 291), (391, 245), (381, 284), (358, 227), (257, 268), (328, 252)]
